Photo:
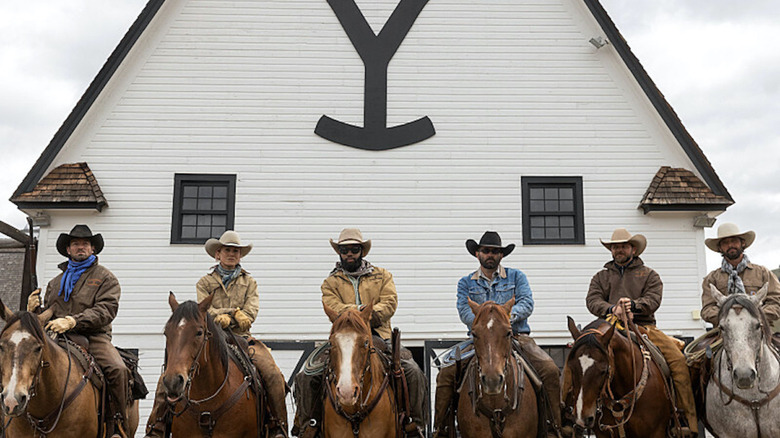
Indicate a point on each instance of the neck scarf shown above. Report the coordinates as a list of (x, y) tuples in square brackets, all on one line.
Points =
[(72, 275), (735, 282), (365, 268), (228, 275)]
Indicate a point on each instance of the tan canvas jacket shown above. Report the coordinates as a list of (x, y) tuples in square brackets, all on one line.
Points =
[(377, 288), (241, 293), (639, 283), (754, 276), (93, 303)]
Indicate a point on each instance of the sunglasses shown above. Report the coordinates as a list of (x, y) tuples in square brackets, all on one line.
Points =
[(491, 250), (350, 249)]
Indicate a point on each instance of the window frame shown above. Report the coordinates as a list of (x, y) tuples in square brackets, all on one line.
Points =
[(179, 180), (574, 182)]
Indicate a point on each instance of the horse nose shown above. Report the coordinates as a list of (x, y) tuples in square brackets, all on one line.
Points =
[(347, 394), (590, 422), (492, 384), (13, 402), (744, 377), (174, 384)]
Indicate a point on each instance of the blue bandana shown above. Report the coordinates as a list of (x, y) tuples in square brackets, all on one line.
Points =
[(72, 275)]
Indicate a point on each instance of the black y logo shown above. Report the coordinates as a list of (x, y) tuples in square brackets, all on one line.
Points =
[(376, 52)]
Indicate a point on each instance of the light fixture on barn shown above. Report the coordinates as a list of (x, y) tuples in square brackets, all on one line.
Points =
[(703, 221), (598, 42)]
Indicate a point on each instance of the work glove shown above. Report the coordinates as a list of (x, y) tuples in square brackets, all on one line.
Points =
[(375, 320), (514, 318), (243, 320), (61, 325), (34, 300), (223, 320)]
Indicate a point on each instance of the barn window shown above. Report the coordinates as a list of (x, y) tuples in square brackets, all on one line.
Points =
[(552, 210), (203, 206)]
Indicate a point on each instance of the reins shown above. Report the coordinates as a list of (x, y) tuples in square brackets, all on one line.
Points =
[(498, 417), (366, 405)]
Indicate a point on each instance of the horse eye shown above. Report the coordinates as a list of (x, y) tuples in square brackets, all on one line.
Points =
[(199, 333), (757, 326), (509, 333), (37, 349), (365, 344)]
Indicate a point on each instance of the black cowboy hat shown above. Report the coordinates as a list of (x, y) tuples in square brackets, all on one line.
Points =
[(79, 232), (490, 239)]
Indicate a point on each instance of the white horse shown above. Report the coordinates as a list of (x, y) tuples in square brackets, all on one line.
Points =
[(742, 393)]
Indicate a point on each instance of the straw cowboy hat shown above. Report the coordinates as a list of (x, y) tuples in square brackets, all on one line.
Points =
[(229, 238), (351, 236), (490, 239), (621, 235), (729, 230), (79, 232)]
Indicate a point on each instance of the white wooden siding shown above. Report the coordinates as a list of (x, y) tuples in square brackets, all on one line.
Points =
[(513, 88)]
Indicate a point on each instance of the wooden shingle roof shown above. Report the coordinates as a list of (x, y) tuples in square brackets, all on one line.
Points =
[(67, 186), (678, 189)]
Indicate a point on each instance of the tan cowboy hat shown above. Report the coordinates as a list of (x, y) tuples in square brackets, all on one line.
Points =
[(729, 230), (621, 235), (229, 238), (351, 236), (79, 232)]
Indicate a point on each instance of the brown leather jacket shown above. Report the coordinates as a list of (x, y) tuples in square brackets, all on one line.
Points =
[(93, 303), (378, 288), (754, 276), (638, 282)]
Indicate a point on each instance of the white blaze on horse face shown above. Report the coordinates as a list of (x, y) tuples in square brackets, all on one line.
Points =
[(346, 345), (585, 363), (490, 324), (182, 323), (9, 390)]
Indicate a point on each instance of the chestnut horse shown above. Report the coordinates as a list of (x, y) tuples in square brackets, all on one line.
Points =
[(496, 398), (45, 390), (205, 389), (611, 387), (359, 400)]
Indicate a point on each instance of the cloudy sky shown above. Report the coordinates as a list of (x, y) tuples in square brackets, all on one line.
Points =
[(716, 61)]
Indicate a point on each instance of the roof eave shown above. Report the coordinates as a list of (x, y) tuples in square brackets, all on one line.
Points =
[(26, 205)]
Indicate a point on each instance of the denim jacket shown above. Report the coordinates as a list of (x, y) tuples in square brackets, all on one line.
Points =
[(507, 284)]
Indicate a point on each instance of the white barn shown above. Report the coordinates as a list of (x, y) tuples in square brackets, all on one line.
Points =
[(533, 118)]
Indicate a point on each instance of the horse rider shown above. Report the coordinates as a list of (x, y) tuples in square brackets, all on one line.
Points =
[(353, 283), (737, 274), (627, 288), (85, 299), (494, 282), (234, 307)]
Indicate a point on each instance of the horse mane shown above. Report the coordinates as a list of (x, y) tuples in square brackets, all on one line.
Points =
[(28, 322), (756, 311), (350, 318), (490, 308), (189, 310), (589, 339)]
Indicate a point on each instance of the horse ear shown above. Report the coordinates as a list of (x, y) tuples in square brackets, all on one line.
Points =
[(365, 312), (760, 296), (332, 314), (715, 293), (5, 312), (508, 306), (474, 306), (172, 301), (575, 332), (204, 305), (44, 317), (607, 338)]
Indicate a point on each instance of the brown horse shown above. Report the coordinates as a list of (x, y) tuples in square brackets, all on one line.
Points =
[(611, 388), (359, 400), (205, 389), (496, 398), (45, 390)]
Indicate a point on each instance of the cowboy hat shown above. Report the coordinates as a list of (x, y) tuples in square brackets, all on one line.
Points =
[(351, 236), (621, 235), (229, 238), (79, 232), (729, 230), (490, 239)]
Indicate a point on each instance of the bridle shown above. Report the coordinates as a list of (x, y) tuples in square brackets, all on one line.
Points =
[(754, 405), (498, 416), (623, 408), (207, 420), (367, 404), (46, 424)]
